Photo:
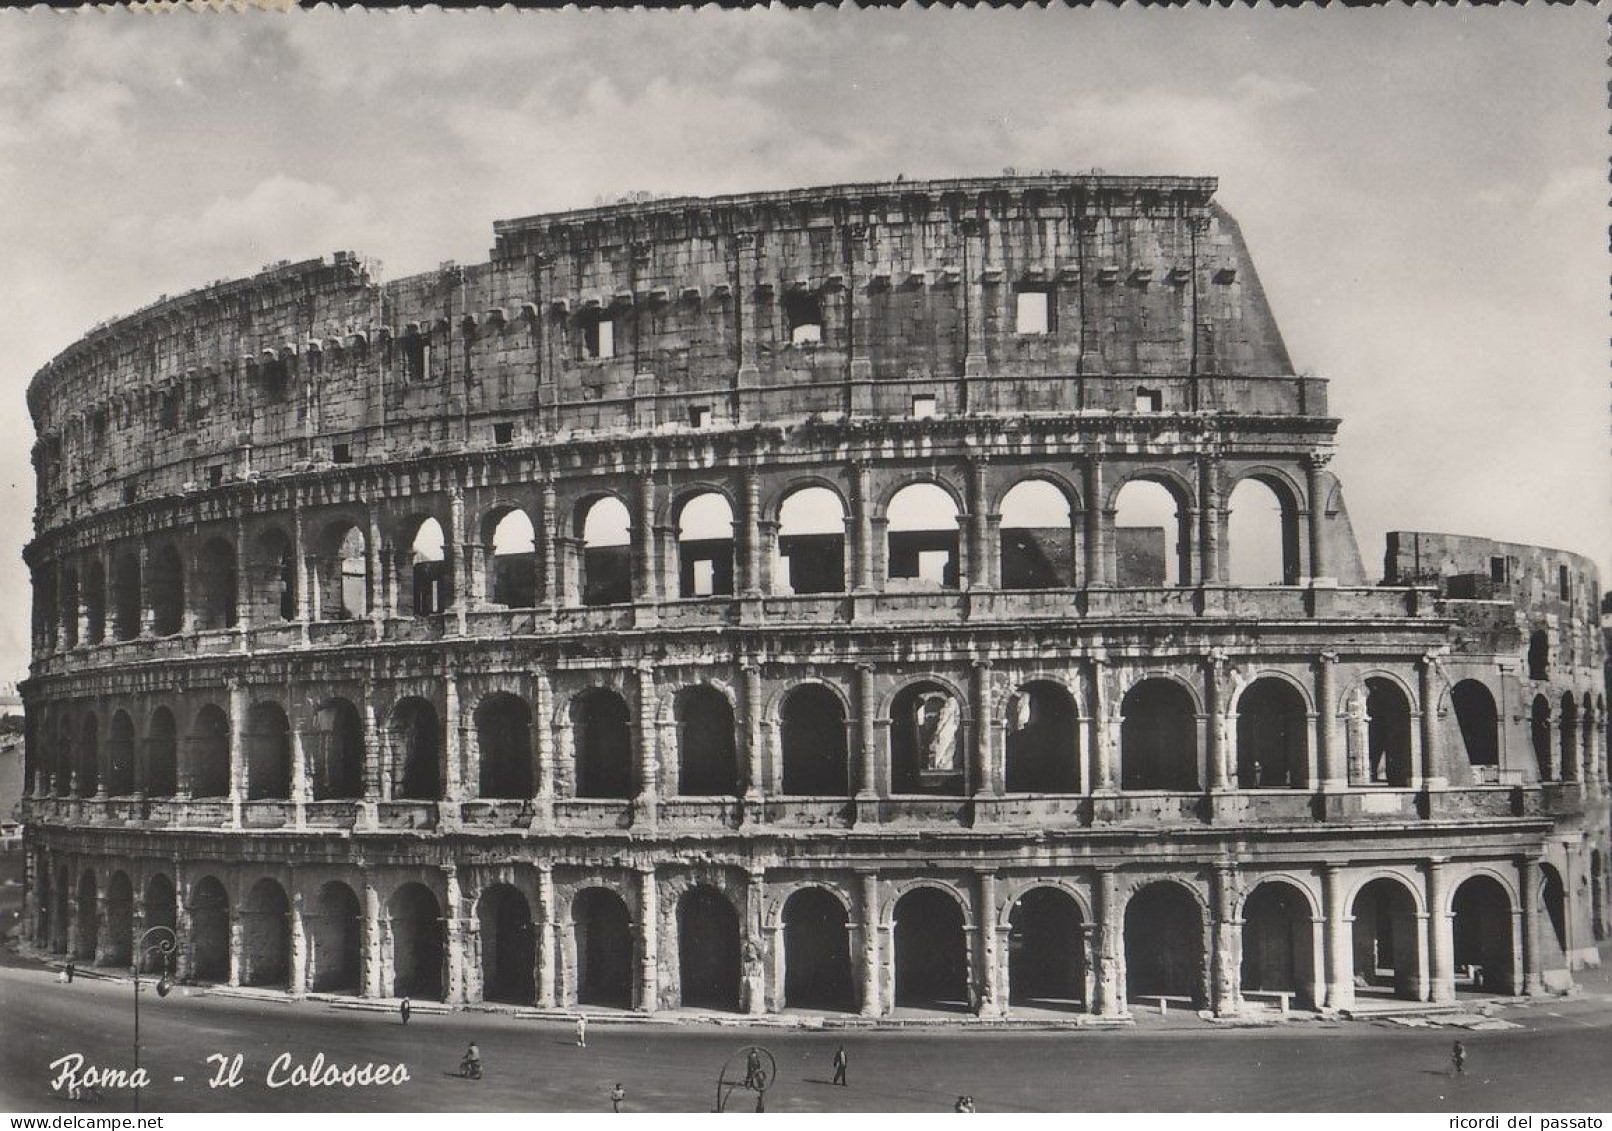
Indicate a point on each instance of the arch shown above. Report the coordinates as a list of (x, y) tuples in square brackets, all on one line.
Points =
[(1552, 910), (94, 602), (1279, 941), (119, 947), (162, 754), (430, 577), (336, 768), (162, 910), (1479, 720), (63, 768), (1262, 532), (927, 740), (209, 752), (1043, 740), (1152, 532), (605, 528), (931, 951), (1586, 744), (334, 937), (273, 577), (1158, 737), (1567, 736), (61, 927), (89, 756), (216, 585), (704, 524), (811, 542), (266, 936), (340, 578), (417, 750), (1539, 735), (1164, 951), (167, 584), (1482, 932), (1539, 654), (209, 931), (1385, 937), (601, 727), (1037, 536), (508, 945), (504, 741), (604, 948), (922, 540), (126, 589), (817, 952), (417, 942), (511, 545), (1388, 733), (70, 607), (707, 759), (120, 755), (707, 949), (813, 742), (1046, 950), (268, 753), (1272, 736)]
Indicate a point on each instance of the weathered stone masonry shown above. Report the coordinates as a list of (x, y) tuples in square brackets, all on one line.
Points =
[(702, 601)]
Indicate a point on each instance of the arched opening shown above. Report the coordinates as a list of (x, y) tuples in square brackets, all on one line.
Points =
[(504, 741), (216, 585), (1152, 539), (1567, 735), (89, 926), (931, 952), (811, 543), (604, 949), (119, 949), (1385, 940), (333, 940), (1164, 944), (167, 583), (923, 545), (162, 910), (162, 754), (120, 755), (337, 757), (705, 546), (1279, 942), (1482, 930), (1037, 539), (89, 757), (209, 931), (417, 946), (126, 596), (268, 753), (266, 936), (429, 578), (813, 742), (61, 934), (63, 760), (1479, 721), (1272, 736), (508, 946), (1388, 733), (817, 952), (1553, 921), (341, 573), (1046, 951), (706, 759), (1539, 654), (605, 528), (1539, 734), (417, 750), (926, 741), (602, 731), (708, 949), (69, 607), (1262, 535), (512, 562), (95, 603), (273, 578), (1586, 745), (1043, 740), (209, 753), (1158, 737)]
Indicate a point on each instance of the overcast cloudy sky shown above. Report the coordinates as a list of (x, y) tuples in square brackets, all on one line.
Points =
[(1424, 190)]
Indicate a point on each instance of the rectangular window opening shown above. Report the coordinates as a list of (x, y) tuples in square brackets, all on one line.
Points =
[(1034, 313), (704, 578), (1564, 583), (1497, 570), (215, 475), (341, 453), (803, 314), (1149, 400), (503, 432), (699, 416), (923, 408), (599, 339)]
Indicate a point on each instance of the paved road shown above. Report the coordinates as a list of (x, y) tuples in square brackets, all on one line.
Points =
[(1556, 1062)]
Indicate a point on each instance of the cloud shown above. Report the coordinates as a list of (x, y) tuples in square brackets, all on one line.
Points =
[(1578, 186), (1262, 89)]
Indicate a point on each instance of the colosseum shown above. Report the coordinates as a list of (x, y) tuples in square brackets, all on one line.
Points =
[(836, 600)]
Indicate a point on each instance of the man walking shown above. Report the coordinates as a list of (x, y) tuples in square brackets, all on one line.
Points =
[(617, 1094), (1458, 1058), (404, 1008), (839, 1066), (582, 1030), (752, 1070)]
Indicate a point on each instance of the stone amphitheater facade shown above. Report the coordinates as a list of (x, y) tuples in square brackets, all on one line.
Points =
[(729, 604)]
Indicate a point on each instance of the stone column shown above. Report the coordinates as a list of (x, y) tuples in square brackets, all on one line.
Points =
[(1330, 761), (1211, 527), (1315, 486), (979, 549), (1433, 777), (1533, 981), (648, 746), (543, 740), (238, 711), (1340, 940), (987, 771), (872, 962), (299, 773), (754, 751), (646, 586), (237, 943), (377, 783), (370, 960), (992, 999), (459, 564), (862, 516), (545, 927), (377, 583), (1214, 682), (972, 229), (1102, 766), (148, 613), (1095, 565), (307, 608), (1441, 940), (453, 955), (867, 787), (1228, 959), (648, 940), (753, 547), (452, 755), (548, 536), (1110, 995), (299, 947), (755, 969)]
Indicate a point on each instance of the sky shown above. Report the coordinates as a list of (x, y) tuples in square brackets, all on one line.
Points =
[(1424, 190)]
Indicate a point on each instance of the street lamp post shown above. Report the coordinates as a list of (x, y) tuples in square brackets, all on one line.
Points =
[(163, 941)]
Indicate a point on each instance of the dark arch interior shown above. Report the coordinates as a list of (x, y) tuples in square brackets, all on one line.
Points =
[(119, 920), (931, 956), (1158, 737), (1385, 940), (817, 952), (504, 740), (1278, 942), (707, 761), (417, 745), (1479, 722), (268, 753), (927, 737), (602, 732), (209, 753), (337, 754), (209, 931), (708, 950), (813, 741), (333, 940), (1043, 740), (126, 597), (1164, 954), (1482, 930), (167, 583), (1388, 733), (1046, 951), (417, 944), (508, 950), (1272, 727), (162, 910), (216, 585), (604, 949), (266, 936), (120, 755), (89, 761), (1539, 734)]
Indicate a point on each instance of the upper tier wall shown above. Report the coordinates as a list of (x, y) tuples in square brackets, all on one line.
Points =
[(1151, 304)]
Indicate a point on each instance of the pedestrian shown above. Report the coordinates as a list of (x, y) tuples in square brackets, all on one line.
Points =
[(617, 1094), (582, 1030), (964, 1103), (69, 971), (404, 1007), (839, 1066), (1458, 1058), (752, 1069)]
